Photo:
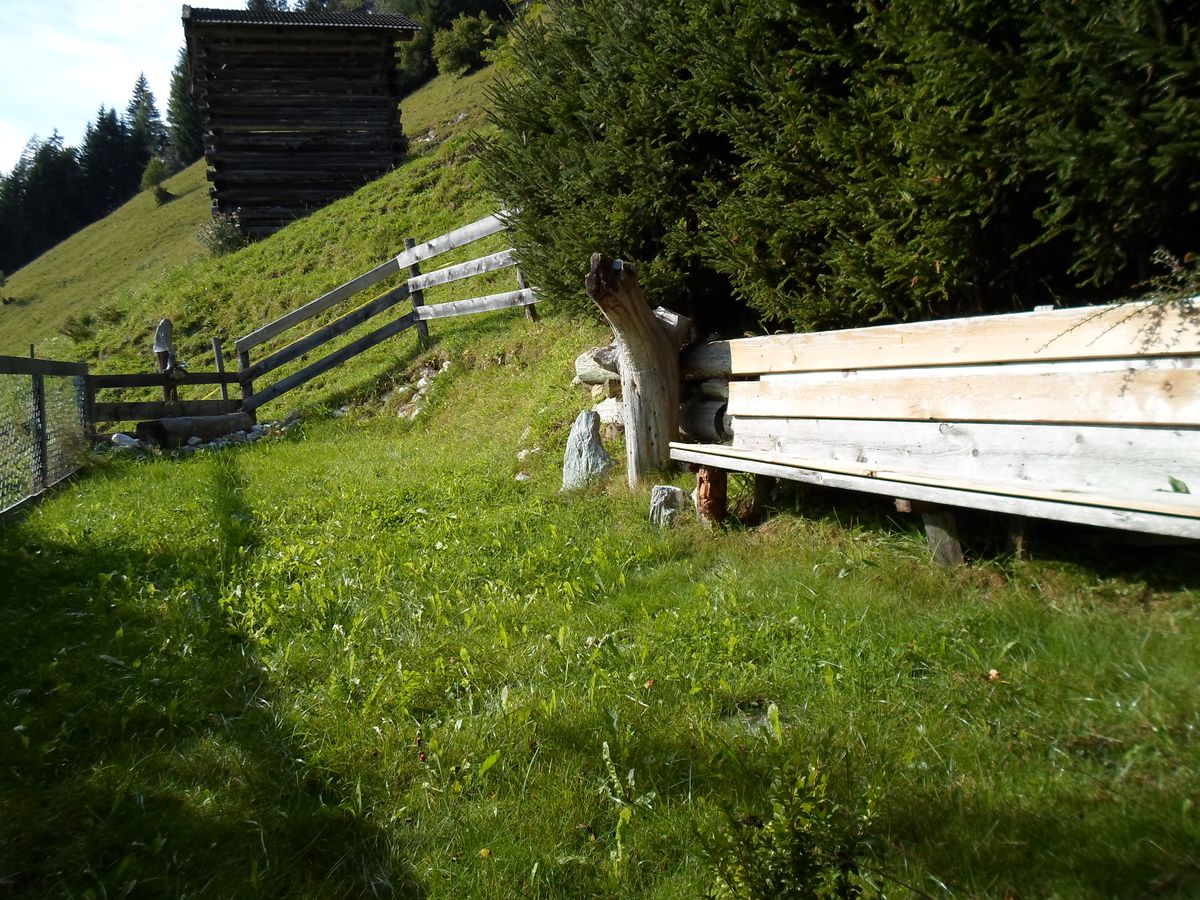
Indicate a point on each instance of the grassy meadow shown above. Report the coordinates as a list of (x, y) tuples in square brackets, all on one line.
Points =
[(366, 659)]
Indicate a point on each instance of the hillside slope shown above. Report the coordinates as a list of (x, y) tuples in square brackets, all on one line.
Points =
[(101, 265), (144, 261)]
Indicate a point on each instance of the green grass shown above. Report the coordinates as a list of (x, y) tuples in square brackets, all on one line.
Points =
[(102, 265), (365, 660)]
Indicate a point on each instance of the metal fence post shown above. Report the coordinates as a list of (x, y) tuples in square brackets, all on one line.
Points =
[(41, 446)]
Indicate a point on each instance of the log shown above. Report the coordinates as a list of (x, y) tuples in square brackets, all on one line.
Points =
[(704, 419), (175, 431), (649, 364)]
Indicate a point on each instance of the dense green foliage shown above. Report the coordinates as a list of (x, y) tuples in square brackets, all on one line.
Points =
[(834, 163), (460, 47), (417, 61)]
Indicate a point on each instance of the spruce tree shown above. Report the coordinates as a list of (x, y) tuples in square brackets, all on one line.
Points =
[(144, 123), (185, 123), (109, 160)]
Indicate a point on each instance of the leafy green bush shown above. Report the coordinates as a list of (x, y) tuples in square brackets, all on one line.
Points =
[(831, 164), (805, 847), (221, 235), (460, 47), (157, 171), (78, 328)]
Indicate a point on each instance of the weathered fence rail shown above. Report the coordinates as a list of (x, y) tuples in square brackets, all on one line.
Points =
[(43, 425), (411, 291), (49, 409)]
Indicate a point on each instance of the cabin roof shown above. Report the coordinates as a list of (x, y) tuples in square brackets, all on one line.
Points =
[(373, 21)]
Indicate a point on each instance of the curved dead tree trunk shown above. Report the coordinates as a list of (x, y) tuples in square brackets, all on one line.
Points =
[(648, 344)]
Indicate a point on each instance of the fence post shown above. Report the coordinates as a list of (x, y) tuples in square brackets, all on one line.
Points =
[(244, 381), (89, 404), (418, 297), (41, 447), (220, 358), (531, 312)]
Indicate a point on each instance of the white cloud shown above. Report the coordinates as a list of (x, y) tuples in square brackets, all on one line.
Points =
[(60, 61)]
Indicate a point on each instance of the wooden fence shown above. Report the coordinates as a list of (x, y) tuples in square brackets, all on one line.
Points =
[(411, 291)]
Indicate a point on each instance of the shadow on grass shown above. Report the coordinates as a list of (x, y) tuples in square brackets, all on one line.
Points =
[(143, 753), (1130, 846), (1162, 564)]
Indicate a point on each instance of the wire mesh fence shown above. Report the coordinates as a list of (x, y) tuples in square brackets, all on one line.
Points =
[(43, 425)]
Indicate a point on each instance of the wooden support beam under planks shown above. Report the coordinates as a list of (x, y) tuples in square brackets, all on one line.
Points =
[(490, 303), (502, 260), (1131, 329), (337, 327), (325, 363), (1079, 511), (158, 409), (1125, 394), (1059, 457)]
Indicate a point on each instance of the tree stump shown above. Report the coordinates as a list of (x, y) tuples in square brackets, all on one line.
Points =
[(712, 495), (648, 344)]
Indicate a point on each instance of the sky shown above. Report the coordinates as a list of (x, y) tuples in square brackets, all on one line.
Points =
[(60, 60)]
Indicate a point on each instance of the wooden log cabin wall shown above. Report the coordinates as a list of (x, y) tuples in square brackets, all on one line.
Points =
[(299, 108)]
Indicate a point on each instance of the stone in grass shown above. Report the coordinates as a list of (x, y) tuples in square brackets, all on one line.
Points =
[(585, 459), (125, 441), (666, 503)]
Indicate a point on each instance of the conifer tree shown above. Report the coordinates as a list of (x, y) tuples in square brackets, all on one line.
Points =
[(184, 121), (145, 124)]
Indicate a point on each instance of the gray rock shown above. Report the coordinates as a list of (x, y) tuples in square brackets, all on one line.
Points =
[(194, 441), (597, 366), (585, 459), (666, 503), (610, 411), (125, 442)]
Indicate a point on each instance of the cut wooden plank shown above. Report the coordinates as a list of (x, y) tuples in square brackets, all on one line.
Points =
[(125, 412), (1105, 517), (459, 237), (1185, 505), (1112, 461), (326, 363), (1123, 396), (156, 379), (24, 365), (501, 260), (491, 302), (1144, 329), (339, 326), (322, 303)]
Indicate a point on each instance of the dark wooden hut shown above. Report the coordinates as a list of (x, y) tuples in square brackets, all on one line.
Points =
[(299, 108)]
